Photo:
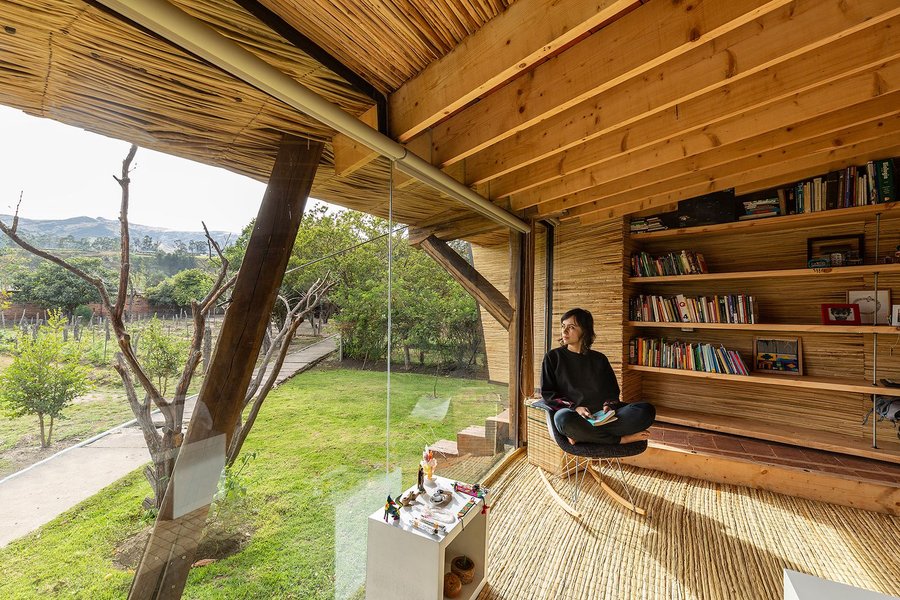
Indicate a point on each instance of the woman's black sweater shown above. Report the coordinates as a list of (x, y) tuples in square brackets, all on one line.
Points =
[(583, 379)]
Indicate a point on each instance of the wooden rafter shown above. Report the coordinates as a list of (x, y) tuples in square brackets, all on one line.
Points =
[(527, 32), (654, 34), (669, 101), (472, 281)]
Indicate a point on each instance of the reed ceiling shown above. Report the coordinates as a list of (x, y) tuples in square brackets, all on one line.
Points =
[(571, 109)]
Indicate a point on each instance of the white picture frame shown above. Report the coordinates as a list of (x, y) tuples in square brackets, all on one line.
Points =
[(895, 315), (870, 311)]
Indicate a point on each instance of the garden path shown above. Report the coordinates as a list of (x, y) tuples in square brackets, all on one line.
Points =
[(37, 494)]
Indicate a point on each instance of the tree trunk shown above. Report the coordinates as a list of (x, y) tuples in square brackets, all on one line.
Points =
[(406, 360), (50, 433), (43, 438)]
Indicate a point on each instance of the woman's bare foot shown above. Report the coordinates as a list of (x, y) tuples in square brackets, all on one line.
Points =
[(571, 441), (635, 437)]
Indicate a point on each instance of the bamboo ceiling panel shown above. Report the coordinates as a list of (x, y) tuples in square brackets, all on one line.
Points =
[(387, 41), (74, 63)]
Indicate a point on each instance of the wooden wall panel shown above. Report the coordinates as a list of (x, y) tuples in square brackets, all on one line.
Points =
[(588, 273), (493, 263)]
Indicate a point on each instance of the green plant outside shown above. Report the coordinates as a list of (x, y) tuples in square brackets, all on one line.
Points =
[(318, 437)]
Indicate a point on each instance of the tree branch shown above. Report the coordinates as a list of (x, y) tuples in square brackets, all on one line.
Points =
[(124, 234)]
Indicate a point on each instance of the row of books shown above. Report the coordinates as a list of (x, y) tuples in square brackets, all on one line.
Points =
[(674, 354), (761, 208), (873, 183), (644, 224), (684, 262), (729, 308)]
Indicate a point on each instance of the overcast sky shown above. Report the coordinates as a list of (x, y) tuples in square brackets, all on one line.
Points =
[(67, 172)]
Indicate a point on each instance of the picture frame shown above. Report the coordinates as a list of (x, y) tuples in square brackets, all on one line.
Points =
[(840, 314), (872, 312), (841, 249), (895, 315), (778, 356)]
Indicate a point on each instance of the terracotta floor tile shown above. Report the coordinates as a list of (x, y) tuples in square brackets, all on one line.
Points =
[(676, 437), (758, 448), (728, 443), (790, 453), (701, 440)]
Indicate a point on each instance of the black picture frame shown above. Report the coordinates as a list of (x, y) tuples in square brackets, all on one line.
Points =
[(820, 247)]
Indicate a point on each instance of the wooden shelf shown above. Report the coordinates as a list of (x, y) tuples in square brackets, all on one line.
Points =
[(778, 432), (890, 210), (786, 327), (854, 271), (834, 384)]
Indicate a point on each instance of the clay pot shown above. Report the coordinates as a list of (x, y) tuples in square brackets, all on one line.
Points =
[(452, 585), (463, 567)]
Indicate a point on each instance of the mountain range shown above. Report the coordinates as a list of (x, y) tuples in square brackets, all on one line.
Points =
[(50, 231)]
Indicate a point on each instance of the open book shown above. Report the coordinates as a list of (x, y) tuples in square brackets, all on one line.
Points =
[(602, 418)]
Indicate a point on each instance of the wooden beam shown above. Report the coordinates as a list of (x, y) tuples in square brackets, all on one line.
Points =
[(350, 156), (472, 281), (653, 34), (514, 337), (843, 120), (792, 481), (664, 105), (777, 174), (838, 104), (525, 317), (169, 553), (880, 130), (509, 44)]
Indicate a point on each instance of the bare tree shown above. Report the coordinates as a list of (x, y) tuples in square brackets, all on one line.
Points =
[(277, 350), (162, 445)]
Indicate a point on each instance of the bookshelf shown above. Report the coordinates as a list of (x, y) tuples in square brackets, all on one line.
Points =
[(766, 258)]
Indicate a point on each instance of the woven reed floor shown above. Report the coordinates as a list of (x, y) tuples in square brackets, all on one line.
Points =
[(704, 540)]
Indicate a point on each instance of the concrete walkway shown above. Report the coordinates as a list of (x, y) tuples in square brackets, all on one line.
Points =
[(37, 494)]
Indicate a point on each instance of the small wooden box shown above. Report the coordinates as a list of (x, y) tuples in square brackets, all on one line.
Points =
[(542, 449)]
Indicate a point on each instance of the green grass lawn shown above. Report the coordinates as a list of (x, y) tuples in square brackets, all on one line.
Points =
[(320, 443)]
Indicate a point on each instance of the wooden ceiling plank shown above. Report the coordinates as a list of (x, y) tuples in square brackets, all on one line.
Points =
[(654, 34), (817, 101), (505, 46), (612, 112), (811, 138), (349, 155), (563, 165), (808, 165), (757, 134)]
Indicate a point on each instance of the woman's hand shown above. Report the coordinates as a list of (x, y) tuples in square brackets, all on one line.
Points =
[(583, 412)]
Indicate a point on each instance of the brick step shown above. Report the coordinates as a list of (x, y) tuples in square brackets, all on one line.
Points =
[(444, 448), (475, 441), (497, 427), (501, 418)]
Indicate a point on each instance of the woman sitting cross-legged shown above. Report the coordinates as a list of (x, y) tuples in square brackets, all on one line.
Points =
[(585, 378)]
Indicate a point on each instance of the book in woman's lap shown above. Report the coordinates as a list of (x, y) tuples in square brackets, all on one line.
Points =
[(602, 418)]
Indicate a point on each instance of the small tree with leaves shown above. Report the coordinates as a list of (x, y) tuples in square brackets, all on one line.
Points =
[(162, 354), (45, 376)]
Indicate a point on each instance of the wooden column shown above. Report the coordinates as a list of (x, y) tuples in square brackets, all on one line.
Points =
[(516, 242), (167, 559), (525, 316)]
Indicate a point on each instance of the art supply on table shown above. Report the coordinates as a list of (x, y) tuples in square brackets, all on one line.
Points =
[(470, 489), (468, 505)]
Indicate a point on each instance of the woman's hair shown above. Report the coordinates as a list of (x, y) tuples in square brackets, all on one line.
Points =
[(585, 320)]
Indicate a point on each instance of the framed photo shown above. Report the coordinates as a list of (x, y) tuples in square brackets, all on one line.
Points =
[(841, 250), (872, 311), (895, 315), (782, 356), (840, 314)]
